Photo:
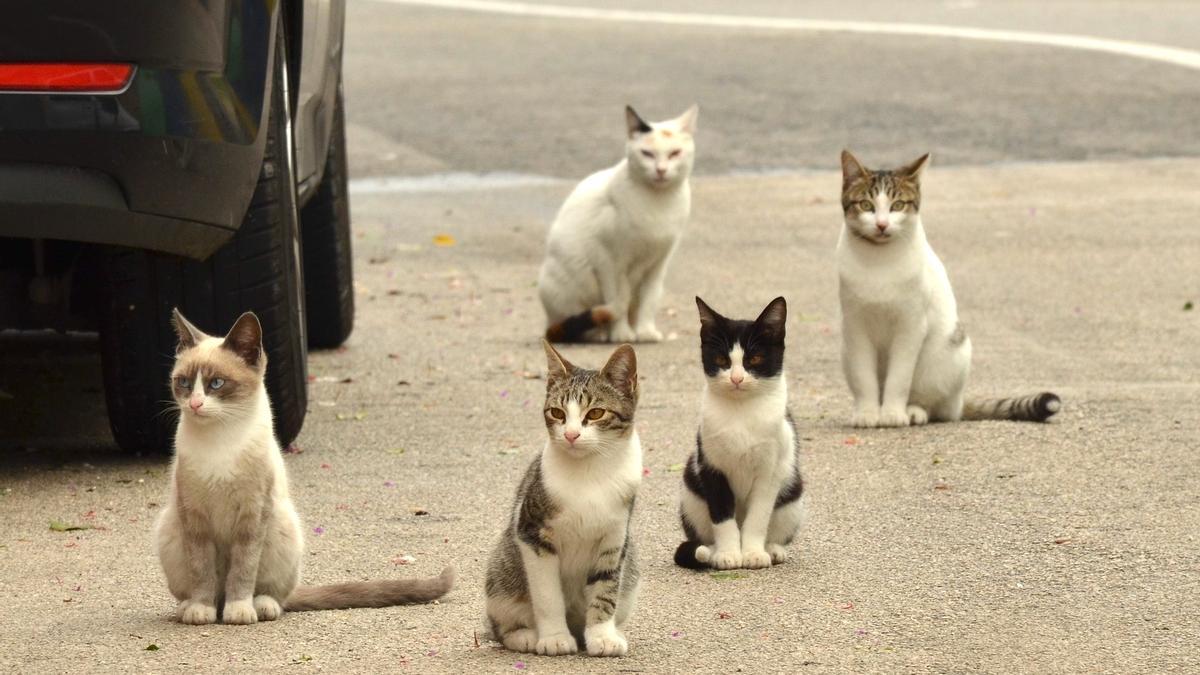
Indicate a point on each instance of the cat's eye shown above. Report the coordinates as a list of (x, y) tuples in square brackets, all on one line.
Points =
[(899, 205), (557, 414), (674, 154), (755, 360), (216, 383), (595, 414), (648, 154), (722, 361), (183, 382), (866, 205)]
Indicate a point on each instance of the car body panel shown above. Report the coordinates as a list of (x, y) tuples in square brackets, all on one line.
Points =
[(319, 79)]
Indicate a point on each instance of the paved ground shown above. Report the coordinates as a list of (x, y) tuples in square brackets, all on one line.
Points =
[(1065, 547)]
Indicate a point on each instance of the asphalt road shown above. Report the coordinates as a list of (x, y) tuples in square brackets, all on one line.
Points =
[(974, 547)]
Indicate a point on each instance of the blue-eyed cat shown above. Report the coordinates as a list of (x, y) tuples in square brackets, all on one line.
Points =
[(741, 500)]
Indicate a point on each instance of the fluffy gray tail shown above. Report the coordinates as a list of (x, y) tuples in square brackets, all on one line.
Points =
[(1035, 408), (382, 593), (572, 328)]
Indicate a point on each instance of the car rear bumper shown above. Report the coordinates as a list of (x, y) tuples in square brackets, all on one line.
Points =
[(170, 163)]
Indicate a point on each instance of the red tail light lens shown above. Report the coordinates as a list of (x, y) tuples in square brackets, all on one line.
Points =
[(65, 77)]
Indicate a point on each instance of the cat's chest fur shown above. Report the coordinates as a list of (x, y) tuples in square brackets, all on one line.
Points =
[(746, 439), (593, 497), (215, 476)]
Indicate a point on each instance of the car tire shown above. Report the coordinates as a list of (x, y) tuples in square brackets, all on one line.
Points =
[(258, 270), (325, 226)]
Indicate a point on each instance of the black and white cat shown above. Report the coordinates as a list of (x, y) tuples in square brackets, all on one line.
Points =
[(741, 505)]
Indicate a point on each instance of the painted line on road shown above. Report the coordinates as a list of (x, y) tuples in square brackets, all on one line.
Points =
[(448, 182), (1141, 50)]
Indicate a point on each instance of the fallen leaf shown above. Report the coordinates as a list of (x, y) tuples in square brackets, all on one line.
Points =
[(1062, 540), (444, 240), (1187, 306), (325, 466), (59, 526), (726, 575), (396, 451), (389, 484), (151, 647), (418, 511), (852, 440), (676, 634), (519, 665), (675, 467), (403, 559), (346, 380), (645, 471), (293, 449), (724, 615), (318, 530), (847, 606), (403, 383)]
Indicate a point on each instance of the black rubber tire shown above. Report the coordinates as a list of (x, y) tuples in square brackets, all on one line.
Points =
[(328, 267), (258, 270)]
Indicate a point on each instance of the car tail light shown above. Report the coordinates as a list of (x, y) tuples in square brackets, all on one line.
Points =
[(65, 77)]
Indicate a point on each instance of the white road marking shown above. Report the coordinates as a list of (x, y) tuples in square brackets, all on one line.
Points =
[(1141, 50), (448, 182)]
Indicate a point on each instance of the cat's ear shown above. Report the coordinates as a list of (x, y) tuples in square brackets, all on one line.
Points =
[(188, 334), (556, 365), (773, 319), (245, 339), (916, 169), (689, 119), (852, 168), (634, 124), (708, 315), (621, 370)]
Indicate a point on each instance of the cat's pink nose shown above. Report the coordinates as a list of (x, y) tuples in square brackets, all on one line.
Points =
[(737, 378), (882, 227), (571, 436), (661, 171), (195, 404)]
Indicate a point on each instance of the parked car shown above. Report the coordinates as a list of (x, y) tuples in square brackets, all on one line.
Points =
[(167, 154)]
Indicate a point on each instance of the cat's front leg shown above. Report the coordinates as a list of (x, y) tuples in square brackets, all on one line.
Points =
[(726, 552), (249, 532), (647, 298), (600, 635), (860, 363), (201, 552), (545, 592), (902, 361), (618, 293), (759, 505)]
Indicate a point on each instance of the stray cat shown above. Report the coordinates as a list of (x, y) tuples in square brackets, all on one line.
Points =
[(741, 505), (609, 246), (229, 536), (904, 351), (564, 572)]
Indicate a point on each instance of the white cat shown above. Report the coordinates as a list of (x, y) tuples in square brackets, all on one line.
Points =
[(608, 249), (905, 354)]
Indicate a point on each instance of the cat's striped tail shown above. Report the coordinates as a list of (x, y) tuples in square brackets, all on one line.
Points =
[(381, 593), (1034, 408), (573, 328)]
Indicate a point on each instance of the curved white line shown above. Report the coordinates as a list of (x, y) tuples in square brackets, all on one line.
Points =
[(1140, 50)]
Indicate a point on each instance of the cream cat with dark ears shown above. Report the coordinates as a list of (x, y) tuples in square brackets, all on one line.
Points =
[(906, 355), (229, 538), (609, 247)]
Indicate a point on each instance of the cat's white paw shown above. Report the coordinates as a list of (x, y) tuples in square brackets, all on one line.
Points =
[(893, 417), (865, 418), (726, 560), (196, 613), (604, 640), (703, 555), (917, 415), (649, 334), (778, 553), (522, 640), (240, 612), (557, 645), (621, 333), (755, 560), (267, 608)]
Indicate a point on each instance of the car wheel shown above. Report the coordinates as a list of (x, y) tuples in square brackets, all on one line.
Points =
[(325, 225), (259, 270)]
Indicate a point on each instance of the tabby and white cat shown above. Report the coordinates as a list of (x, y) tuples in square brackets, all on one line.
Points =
[(229, 537), (564, 571), (608, 249), (740, 505), (905, 354)]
